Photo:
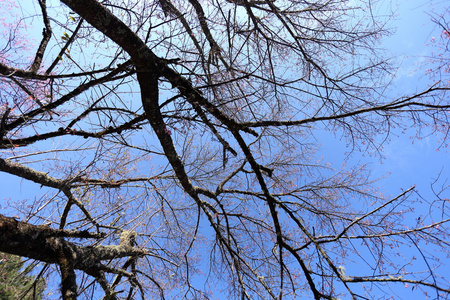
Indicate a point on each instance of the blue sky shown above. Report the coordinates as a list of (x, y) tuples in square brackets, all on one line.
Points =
[(409, 161)]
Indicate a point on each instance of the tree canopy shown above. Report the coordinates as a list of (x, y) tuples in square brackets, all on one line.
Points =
[(176, 149), (16, 280)]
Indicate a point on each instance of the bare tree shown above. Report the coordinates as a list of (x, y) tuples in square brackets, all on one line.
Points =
[(439, 61), (175, 146)]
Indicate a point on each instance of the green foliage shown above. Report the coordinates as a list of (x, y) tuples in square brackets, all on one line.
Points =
[(16, 280)]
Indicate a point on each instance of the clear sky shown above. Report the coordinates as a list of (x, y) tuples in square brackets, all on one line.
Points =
[(409, 161)]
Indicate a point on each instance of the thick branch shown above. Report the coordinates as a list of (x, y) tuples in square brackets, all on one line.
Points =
[(28, 173), (44, 244), (47, 34)]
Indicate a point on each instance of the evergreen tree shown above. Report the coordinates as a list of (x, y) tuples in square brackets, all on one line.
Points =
[(16, 280)]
